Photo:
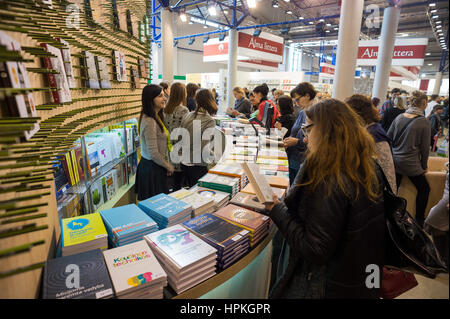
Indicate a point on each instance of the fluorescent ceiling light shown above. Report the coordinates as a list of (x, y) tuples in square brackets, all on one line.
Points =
[(321, 20), (327, 31), (438, 26), (209, 23), (301, 18), (438, 22), (430, 63), (433, 11), (428, 53), (310, 22), (336, 28), (289, 12), (183, 17), (286, 0), (435, 17), (251, 3), (212, 10), (328, 24), (205, 27), (432, 4), (225, 11)]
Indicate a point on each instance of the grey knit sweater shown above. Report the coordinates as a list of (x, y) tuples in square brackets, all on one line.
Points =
[(153, 142), (412, 148)]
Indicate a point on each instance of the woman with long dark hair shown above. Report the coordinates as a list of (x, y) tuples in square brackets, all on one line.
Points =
[(332, 219), (153, 168), (260, 93)]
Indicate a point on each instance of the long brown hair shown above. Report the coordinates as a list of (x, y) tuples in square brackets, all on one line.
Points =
[(345, 153), (363, 106), (205, 101), (177, 97), (149, 93)]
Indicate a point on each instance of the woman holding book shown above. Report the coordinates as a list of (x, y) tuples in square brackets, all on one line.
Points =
[(196, 166), (174, 112), (242, 106), (154, 166), (332, 219)]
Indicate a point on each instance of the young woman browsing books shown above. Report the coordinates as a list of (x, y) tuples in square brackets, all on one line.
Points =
[(332, 220), (260, 93), (152, 171), (174, 112), (196, 167)]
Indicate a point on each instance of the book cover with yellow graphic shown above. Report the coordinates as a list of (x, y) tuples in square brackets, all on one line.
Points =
[(82, 229)]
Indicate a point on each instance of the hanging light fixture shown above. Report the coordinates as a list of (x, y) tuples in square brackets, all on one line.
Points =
[(275, 4)]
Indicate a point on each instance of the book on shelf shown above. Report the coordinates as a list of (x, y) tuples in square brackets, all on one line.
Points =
[(93, 160), (62, 184), (94, 281), (67, 59), (90, 70), (79, 162), (142, 68), (121, 69), (103, 72), (135, 271), (127, 224), (59, 81), (83, 233), (260, 184), (14, 75), (109, 184), (97, 195)]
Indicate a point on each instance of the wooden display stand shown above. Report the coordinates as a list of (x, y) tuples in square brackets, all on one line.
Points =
[(29, 224)]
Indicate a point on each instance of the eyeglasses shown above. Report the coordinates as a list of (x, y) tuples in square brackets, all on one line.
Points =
[(297, 99), (306, 129)]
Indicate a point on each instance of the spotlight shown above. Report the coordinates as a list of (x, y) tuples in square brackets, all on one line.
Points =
[(288, 12), (222, 36), (191, 41), (257, 32), (183, 17), (205, 39), (175, 43), (285, 30), (275, 4)]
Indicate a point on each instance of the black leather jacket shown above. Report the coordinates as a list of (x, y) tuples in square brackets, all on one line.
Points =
[(331, 242)]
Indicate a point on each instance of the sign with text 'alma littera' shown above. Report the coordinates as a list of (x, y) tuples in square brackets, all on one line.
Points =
[(265, 47), (407, 52)]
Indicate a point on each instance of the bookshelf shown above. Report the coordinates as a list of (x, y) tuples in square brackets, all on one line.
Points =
[(27, 162)]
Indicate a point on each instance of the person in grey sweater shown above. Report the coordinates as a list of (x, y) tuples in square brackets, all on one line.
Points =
[(196, 167), (154, 167), (410, 135)]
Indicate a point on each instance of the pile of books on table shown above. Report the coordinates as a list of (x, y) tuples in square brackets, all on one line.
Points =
[(127, 224), (200, 204), (187, 259), (225, 184), (231, 241), (135, 272), (220, 199), (83, 233), (257, 224), (165, 210)]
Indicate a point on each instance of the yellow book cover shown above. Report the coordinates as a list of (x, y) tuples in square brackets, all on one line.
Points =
[(82, 229), (69, 168), (74, 166)]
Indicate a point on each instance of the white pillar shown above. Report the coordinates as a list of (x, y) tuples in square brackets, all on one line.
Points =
[(232, 66), (167, 54), (438, 83), (155, 63), (391, 18), (347, 48)]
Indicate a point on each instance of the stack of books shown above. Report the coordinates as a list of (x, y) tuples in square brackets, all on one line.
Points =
[(166, 210), (135, 272), (256, 224), (83, 233), (247, 141), (94, 281), (231, 170), (272, 153), (220, 199), (249, 201), (187, 259), (231, 241), (127, 224), (249, 153), (271, 161), (226, 184), (200, 204)]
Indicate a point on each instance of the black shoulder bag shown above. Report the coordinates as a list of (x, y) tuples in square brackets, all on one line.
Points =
[(407, 244)]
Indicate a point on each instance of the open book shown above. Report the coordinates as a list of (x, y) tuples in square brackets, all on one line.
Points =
[(262, 188)]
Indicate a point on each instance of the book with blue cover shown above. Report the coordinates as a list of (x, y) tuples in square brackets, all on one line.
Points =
[(127, 224), (218, 232), (165, 210), (94, 281)]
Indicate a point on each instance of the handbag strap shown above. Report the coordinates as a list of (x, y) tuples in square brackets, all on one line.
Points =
[(405, 127)]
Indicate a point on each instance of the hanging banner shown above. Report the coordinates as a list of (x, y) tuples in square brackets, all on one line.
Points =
[(407, 52), (265, 47)]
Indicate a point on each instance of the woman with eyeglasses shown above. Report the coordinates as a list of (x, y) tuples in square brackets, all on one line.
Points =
[(303, 96), (332, 219), (154, 166)]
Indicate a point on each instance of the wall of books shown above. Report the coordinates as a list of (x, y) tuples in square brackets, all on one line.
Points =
[(71, 79)]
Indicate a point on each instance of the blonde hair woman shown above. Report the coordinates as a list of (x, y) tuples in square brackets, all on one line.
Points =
[(242, 106)]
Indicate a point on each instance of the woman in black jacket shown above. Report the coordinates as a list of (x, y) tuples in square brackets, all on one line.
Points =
[(333, 217)]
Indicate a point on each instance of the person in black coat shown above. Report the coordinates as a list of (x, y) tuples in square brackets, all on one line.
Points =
[(332, 219), (287, 118), (391, 113), (191, 89)]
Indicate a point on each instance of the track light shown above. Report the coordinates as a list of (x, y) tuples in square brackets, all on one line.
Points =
[(222, 36), (205, 39), (175, 43), (275, 4), (191, 41), (251, 3), (285, 30), (257, 32)]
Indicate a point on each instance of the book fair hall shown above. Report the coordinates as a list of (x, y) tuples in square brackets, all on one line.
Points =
[(224, 149)]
